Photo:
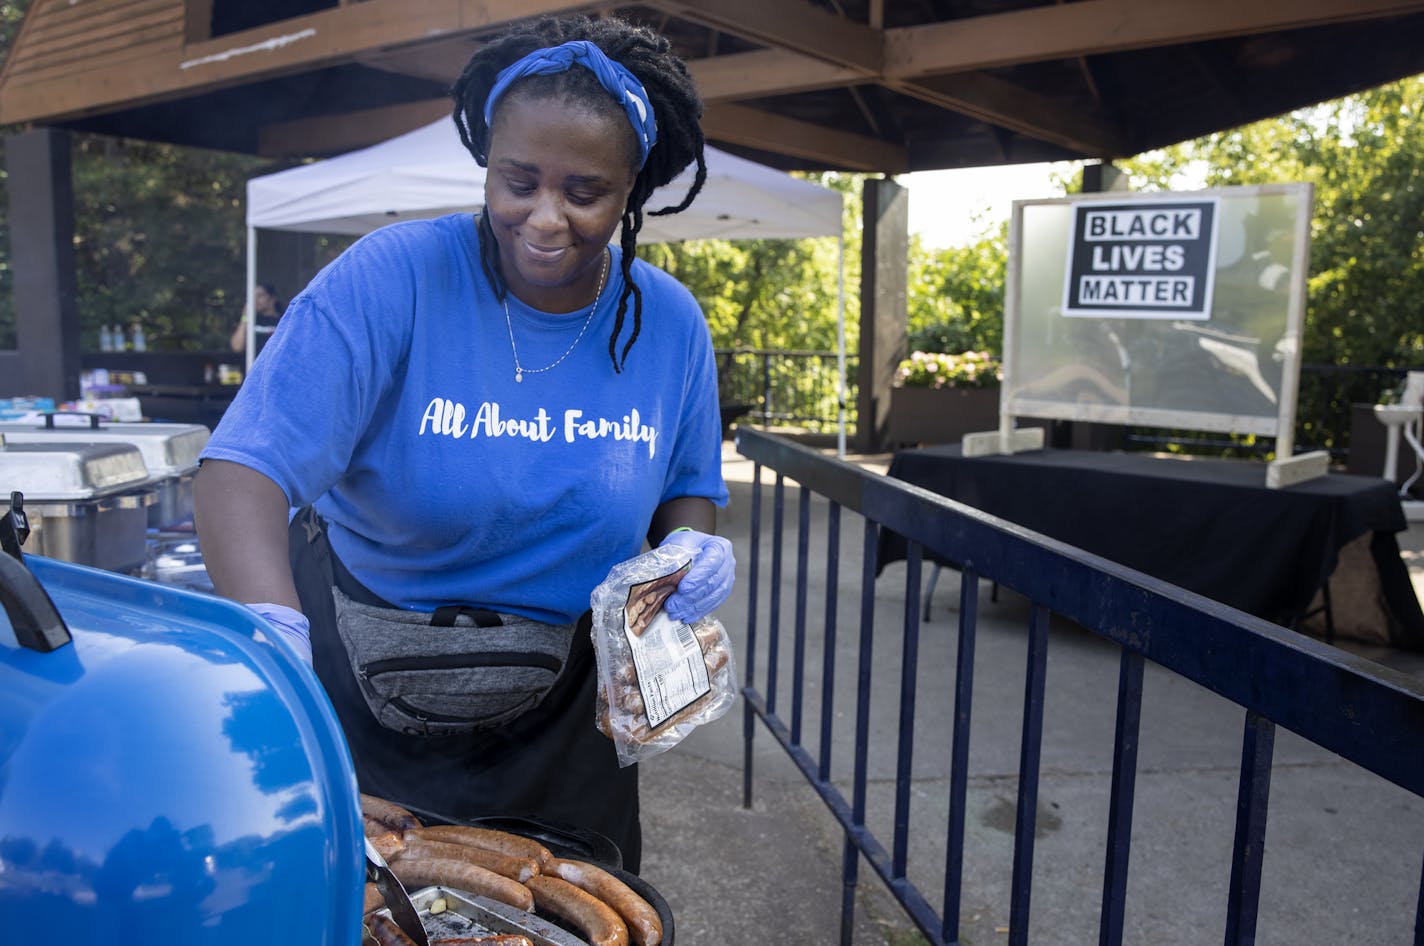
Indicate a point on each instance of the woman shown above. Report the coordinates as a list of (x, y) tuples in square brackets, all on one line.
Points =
[(269, 311), (485, 414)]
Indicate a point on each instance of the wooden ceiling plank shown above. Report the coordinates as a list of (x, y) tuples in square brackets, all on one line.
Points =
[(787, 24), (114, 37), (440, 60), (1095, 27), (1007, 106), (65, 17), (777, 72), (766, 72), (245, 56), (334, 134), (294, 45), (752, 128)]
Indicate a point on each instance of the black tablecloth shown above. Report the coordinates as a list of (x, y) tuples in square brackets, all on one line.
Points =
[(1211, 526)]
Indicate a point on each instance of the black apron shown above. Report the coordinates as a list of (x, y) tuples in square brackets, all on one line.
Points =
[(551, 764)]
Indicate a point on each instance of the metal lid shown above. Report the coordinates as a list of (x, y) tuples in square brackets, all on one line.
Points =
[(167, 773), (64, 471), (168, 449)]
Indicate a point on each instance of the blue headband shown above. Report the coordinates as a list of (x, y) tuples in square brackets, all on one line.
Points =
[(620, 83)]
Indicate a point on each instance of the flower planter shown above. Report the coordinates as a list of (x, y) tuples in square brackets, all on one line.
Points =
[(940, 415)]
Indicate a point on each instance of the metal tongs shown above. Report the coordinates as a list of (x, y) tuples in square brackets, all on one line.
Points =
[(397, 900)]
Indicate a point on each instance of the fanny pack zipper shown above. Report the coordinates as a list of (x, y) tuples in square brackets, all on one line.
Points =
[(461, 662)]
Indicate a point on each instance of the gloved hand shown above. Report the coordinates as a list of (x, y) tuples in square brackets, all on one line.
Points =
[(708, 582), (291, 624)]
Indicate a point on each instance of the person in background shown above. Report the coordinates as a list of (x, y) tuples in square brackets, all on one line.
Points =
[(477, 416), (269, 311)]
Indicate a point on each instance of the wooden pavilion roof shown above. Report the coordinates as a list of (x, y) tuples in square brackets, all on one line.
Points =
[(863, 85)]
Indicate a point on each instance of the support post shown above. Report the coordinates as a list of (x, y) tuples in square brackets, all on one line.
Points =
[(884, 278), (46, 360)]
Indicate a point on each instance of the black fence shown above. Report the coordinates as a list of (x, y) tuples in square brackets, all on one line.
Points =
[(779, 388), (1370, 717), (1324, 408)]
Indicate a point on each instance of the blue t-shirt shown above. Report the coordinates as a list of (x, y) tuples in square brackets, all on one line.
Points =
[(387, 398)]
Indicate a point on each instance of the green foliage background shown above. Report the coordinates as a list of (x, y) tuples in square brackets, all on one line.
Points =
[(160, 240), (1365, 157)]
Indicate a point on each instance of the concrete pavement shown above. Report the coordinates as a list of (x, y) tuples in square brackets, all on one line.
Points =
[(1343, 851)]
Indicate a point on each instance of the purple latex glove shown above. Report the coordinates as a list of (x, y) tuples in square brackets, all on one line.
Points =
[(291, 624), (708, 582)]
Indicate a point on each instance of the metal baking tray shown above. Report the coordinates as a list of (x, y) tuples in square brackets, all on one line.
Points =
[(468, 915), (564, 841)]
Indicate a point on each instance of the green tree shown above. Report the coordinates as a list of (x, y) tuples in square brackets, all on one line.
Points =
[(773, 293), (780, 295), (1365, 157), (11, 13), (160, 239), (955, 296)]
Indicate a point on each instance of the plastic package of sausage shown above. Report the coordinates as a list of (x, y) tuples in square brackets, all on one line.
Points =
[(658, 678)]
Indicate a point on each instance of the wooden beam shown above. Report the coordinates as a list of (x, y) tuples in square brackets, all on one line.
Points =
[(334, 134), (295, 45), (751, 128), (197, 20), (766, 72), (440, 60), (787, 24), (1095, 27), (980, 96), (1004, 105)]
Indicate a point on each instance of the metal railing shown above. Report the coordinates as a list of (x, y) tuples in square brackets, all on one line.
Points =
[(1367, 715), (1325, 398), (782, 387), (776, 387)]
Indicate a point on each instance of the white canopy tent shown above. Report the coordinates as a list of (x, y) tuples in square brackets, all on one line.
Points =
[(428, 172)]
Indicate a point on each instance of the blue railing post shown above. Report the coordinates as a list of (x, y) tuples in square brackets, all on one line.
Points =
[(1026, 818), (1249, 846), (959, 751), (1124, 780), (1373, 718), (753, 576)]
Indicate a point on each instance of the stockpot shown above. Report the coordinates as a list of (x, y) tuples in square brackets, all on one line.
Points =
[(87, 502), (170, 452)]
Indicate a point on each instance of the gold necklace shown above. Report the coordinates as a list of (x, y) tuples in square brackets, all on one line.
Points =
[(519, 372)]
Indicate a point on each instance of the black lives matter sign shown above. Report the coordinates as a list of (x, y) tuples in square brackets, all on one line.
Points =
[(1148, 260)]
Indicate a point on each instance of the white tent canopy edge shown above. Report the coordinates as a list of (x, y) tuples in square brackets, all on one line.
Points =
[(428, 172)]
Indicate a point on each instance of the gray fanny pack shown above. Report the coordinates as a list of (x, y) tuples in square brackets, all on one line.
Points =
[(425, 679)]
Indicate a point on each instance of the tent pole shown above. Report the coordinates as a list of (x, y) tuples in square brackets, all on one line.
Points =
[(840, 348), (250, 318)]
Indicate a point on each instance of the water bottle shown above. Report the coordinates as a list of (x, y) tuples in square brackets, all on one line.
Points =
[(106, 339), (140, 343)]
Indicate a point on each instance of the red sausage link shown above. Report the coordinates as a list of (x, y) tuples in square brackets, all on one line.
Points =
[(559, 898), (645, 927)]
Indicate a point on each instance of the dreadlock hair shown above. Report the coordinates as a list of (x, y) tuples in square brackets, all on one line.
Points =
[(676, 106)]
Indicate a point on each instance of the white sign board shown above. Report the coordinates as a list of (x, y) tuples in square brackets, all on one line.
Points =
[(1154, 261), (1173, 310)]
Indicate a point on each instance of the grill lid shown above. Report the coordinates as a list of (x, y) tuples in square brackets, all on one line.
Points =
[(166, 775)]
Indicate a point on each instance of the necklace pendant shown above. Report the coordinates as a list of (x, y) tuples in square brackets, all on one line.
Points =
[(518, 376)]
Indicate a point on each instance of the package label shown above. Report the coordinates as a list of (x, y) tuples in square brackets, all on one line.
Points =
[(671, 671)]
